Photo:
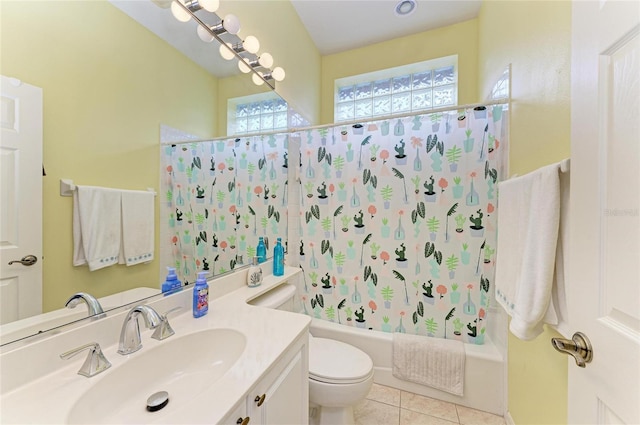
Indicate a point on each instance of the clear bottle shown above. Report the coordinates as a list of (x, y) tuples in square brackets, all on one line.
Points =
[(261, 250), (201, 296), (254, 275), (278, 258)]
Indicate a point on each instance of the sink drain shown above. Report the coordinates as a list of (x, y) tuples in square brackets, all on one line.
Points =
[(157, 401)]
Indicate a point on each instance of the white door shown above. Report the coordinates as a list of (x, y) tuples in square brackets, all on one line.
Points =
[(21, 199), (604, 277)]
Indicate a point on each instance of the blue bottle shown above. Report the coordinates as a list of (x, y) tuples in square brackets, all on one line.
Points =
[(278, 258), (201, 296), (171, 283), (261, 250)]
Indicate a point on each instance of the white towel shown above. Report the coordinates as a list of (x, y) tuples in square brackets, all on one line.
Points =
[(528, 233), (96, 227), (435, 362), (138, 227)]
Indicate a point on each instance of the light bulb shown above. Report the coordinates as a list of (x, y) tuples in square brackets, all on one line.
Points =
[(251, 44), (227, 54), (278, 73), (204, 34), (257, 80), (244, 68), (265, 60), (209, 5), (231, 23), (178, 12)]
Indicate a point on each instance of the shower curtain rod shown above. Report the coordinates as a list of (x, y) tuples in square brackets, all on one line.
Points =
[(348, 123)]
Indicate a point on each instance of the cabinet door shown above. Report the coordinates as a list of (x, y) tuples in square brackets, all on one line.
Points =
[(285, 399), (238, 416)]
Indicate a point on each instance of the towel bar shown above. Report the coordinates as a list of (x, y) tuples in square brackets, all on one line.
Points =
[(67, 187)]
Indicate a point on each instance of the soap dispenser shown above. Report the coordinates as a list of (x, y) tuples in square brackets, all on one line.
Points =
[(278, 258), (254, 275), (171, 283), (201, 296)]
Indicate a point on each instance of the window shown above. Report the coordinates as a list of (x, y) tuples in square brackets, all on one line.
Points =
[(260, 113), (416, 87), (500, 89)]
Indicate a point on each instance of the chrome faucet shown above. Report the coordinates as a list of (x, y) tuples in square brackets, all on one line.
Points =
[(95, 363), (93, 304), (164, 330), (130, 340)]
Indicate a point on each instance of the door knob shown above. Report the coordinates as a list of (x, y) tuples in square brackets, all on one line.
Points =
[(578, 346), (28, 260)]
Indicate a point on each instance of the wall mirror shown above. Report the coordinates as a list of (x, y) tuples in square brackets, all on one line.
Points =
[(109, 83)]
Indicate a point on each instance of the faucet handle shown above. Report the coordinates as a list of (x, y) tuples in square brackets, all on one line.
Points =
[(95, 363), (164, 330)]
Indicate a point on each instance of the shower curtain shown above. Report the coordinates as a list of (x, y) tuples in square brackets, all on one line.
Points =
[(398, 222), (219, 198)]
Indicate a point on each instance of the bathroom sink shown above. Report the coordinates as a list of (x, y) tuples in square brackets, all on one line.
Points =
[(183, 366)]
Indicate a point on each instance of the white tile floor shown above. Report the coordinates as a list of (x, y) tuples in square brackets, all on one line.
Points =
[(390, 406)]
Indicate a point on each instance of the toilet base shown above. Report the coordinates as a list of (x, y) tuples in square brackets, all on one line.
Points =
[(331, 415)]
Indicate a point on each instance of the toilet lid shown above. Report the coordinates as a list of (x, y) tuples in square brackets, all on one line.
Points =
[(335, 362)]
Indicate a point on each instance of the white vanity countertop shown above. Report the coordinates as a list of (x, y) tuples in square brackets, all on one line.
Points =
[(50, 398)]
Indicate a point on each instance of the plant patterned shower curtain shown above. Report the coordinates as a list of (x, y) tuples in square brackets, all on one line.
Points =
[(219, 197), (398, 222)]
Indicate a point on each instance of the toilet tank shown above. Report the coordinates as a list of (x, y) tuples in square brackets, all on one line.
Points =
[(280, 298)]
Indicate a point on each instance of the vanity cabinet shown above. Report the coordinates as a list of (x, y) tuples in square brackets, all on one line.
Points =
[(238, 416), (282, 395)]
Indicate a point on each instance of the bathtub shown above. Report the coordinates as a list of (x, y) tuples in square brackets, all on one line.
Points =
[(484, 380)]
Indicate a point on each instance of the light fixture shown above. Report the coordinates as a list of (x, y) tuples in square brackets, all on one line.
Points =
[(256, 79), (250, 44), (193, 5), (405, 7), (277, 74), (179, 13), (227, 50), (265, 61), (184, 10), (230, 24)]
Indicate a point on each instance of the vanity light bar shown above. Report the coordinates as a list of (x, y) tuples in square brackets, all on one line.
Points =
[(213, 32)]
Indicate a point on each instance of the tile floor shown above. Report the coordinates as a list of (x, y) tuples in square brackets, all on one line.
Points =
[(390, 406)]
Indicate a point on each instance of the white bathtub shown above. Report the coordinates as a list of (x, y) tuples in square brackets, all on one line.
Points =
[(484, 366)]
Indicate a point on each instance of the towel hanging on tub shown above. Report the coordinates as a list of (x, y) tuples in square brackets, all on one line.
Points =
[(434, 362)]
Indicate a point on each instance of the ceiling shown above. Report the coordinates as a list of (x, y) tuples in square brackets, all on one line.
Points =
[(339, 25), (334, 25)]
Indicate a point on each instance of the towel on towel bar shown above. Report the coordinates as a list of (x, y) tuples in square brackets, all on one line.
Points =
[(96, 227), (434, 362), (529, 267), (138, 228)]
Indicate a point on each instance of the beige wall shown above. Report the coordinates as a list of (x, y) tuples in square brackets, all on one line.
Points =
[(108, 84), (535, 37), (460, 39)]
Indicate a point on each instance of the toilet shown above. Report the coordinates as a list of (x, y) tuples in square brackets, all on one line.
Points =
[(340, 375)]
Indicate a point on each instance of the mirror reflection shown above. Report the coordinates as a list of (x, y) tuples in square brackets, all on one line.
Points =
[(219, 198), (108, 85)]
